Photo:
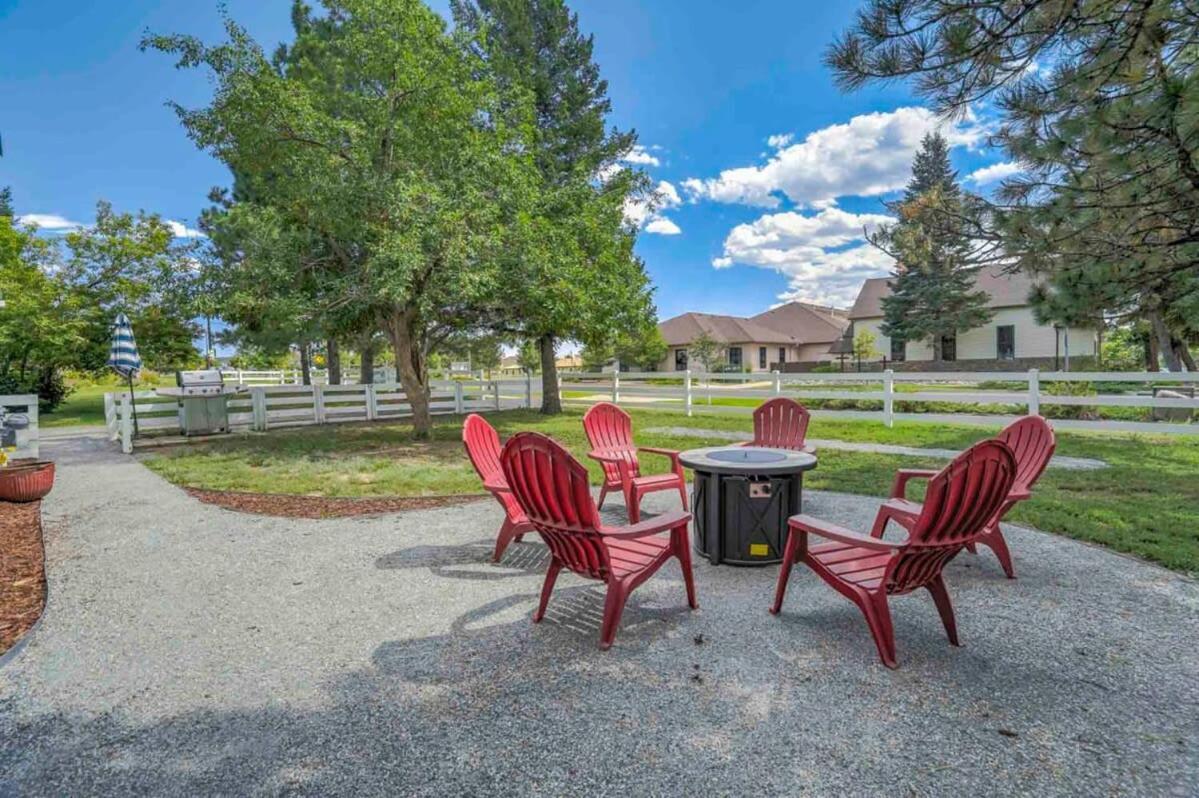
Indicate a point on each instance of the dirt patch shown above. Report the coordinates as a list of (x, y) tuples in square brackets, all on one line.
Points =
[(292, 506), (22, 570)]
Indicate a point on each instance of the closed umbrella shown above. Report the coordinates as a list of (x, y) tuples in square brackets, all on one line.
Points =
[(123, 357)]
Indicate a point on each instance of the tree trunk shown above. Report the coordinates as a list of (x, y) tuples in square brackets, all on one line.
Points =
[(1184, 353), (1151, 353), (1164, 343), (551, 400), (305, 364), (937, 348), (333, 361), (402, 330), (366, 367)]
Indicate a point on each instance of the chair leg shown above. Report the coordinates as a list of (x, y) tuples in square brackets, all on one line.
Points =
[(880, 525), (551, 576), (503, 539), (878, 618), (941, 599), (603, 495), (789, 553), (995, 541), (613, 608), (633, 502), (682, 550)]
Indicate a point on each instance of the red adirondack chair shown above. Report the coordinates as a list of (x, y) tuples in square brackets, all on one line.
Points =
[(781, 423), (610, 431), (551, 487), (1032, 442), (962, 499), (483, 448)]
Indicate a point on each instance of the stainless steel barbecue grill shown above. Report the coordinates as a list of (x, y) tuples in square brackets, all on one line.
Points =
[(202, 399)]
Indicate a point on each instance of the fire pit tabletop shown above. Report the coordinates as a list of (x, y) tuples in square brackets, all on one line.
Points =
[(747, 460)]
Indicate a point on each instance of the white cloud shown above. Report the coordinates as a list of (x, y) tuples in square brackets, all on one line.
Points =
[(867, 156), (50, 222), (993, 173), (663, 227), (640, 155), (180, 230), (825, 256), (779, 140)]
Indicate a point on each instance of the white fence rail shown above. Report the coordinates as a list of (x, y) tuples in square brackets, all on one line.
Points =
[(26, 439), (1017, 393), (265, 407)]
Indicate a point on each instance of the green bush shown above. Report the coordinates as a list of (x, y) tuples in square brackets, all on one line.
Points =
[(47, 383), (1086, 412)]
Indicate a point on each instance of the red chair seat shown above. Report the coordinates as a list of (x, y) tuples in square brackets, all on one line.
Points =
[(633, 555), (853, 564), (656, 481)]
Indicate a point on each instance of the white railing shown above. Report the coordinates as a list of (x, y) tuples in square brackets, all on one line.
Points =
[(266, 407), (27, 439), (1023, 392), (296, 377)]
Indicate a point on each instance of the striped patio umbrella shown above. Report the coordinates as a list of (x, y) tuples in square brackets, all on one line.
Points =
[(123, 356)]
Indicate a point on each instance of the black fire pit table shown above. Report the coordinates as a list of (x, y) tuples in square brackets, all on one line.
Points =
[(741, 501)]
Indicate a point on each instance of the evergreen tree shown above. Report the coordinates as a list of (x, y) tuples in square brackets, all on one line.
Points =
[(933, 292), (574, 275), (6, 208)]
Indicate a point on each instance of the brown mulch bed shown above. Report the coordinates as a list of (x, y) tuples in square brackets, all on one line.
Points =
[(22, 570), (294, 506)]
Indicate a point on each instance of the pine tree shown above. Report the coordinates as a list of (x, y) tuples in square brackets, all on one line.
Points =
[(6, 202), (933, 292)]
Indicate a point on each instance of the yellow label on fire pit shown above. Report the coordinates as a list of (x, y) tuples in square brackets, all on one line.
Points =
[(759, 550)]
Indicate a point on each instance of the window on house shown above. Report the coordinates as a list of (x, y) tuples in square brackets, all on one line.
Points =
[(761, 357), (782, 355), (680, 360), (1005, 342), (949, 347), (898, 350), (735, 356)]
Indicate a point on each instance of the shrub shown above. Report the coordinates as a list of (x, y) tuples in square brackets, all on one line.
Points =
[(47, 383), (1087, 412)]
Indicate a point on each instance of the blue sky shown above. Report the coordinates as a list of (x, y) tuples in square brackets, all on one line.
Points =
[(769, 172)]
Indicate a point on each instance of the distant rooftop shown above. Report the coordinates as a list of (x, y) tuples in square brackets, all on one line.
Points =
[(792, 323), (1004, 291)]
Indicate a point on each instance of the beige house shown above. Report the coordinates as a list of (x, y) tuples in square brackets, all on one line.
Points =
[(792, 333), (1012, 334)]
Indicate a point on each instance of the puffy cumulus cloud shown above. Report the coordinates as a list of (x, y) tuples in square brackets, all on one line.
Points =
[(50, 222), (824, 256), (779, 140), (994, 173), (641, 156), (180, 230), (869, 155), (647, 212)]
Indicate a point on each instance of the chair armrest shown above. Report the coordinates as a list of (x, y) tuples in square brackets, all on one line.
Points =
[(606, 456), (1019, 494), (903, 475), (650, 526), (497, 487), (831, 531), (671, 453)]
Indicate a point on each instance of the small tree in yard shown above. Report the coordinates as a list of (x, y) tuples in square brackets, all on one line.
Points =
[(707, 352), (863, 347)]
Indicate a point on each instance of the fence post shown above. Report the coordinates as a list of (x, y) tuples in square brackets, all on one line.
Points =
[(616, 384), (240, 377), (459, 404), (778, 383), (1034, 392), (687, 390), (318, 403), (110, 410), (495, 384), (258, 409), (889, 398), (368, 395), (126, 422), (528, 389)]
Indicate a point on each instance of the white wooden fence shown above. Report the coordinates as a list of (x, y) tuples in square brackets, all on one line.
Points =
[(683, 391), (265, 407), (27, 439)]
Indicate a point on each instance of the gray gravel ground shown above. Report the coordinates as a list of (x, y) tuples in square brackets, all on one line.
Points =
[(1057, 461), (189, 650)]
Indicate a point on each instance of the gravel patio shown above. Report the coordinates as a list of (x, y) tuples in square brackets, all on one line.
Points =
[(188, 650)]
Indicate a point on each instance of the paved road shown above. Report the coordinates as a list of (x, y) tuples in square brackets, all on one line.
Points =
[(189, 650)]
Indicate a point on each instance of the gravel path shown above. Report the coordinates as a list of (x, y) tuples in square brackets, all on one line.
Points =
[(190, 650), (1058, 461)]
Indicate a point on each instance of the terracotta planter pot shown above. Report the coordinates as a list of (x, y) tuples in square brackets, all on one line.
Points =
[(26, 481)]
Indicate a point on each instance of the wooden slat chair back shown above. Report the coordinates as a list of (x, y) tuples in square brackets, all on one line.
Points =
[(1032, 442), (482, 444), (552, 489), (962, 500), (781, 423), (610, 432)]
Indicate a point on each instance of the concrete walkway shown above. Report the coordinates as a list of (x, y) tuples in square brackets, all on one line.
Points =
[(1058, 461), (190, 650)]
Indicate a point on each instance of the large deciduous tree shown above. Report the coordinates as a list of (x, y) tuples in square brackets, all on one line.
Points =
[(1100, 109), (571, 272), (378, 141)]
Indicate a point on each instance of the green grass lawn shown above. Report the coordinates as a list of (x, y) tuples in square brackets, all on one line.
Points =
[(85, 405), (1146, 503)]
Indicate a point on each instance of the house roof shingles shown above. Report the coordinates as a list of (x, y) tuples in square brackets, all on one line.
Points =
[(1003, 291), (793, 323)]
